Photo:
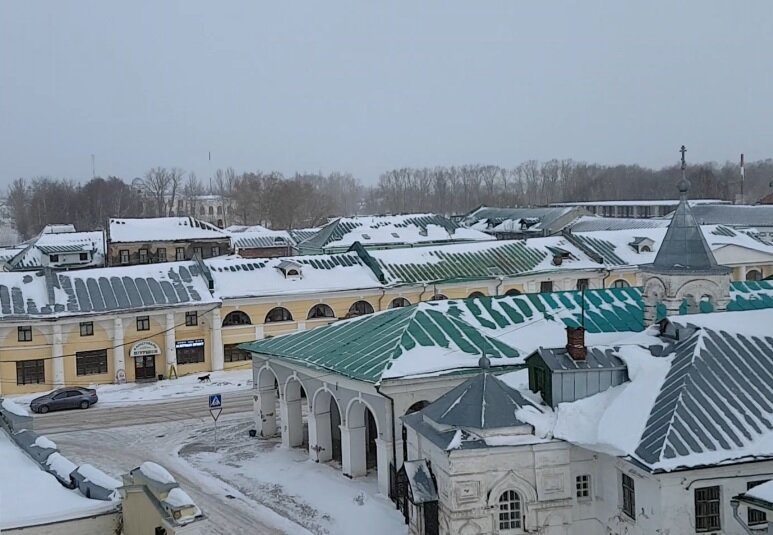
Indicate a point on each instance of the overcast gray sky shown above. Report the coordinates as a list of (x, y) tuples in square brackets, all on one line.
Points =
[(365, 87)]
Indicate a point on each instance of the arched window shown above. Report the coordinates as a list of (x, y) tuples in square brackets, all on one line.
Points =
[(438, 297), (620, 283), (512, 292), (320, 311), (278, 314), (509, 510), (753, 275), (211, 211), (645, 249), (359, 308), (219, 210), (237, 317), (202, 210), (475, 295), (399, 302)]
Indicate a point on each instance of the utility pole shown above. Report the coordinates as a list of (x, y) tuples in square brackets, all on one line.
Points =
[(93, 168)]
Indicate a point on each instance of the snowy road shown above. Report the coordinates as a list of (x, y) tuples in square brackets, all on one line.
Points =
[(117, 450), (105, 417)]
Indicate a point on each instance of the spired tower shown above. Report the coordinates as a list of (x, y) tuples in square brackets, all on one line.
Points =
[(684, 269)]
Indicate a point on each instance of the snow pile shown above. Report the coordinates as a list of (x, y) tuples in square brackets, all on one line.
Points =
[(157, 473), (60, 465), (98, 477), (29, 496), (44, 442), (456, 442), (15, 408)]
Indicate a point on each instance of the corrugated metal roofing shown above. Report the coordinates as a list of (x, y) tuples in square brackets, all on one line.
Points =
[(717, 396), (594, 223), (734, 215), (605, 249), (366, 348), (507, 258)]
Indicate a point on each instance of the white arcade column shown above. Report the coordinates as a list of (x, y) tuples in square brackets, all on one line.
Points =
[(57, 359), (169, 342), (353, 451), (290, 415), (119, 359), (217, 341), (383, 455), (267, 404), (320, 438)]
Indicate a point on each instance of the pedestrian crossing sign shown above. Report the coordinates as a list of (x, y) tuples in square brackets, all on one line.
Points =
[(215, 401)]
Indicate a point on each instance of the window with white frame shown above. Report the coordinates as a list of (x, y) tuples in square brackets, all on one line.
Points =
[(509, 511), (755, 517), (582, 487)]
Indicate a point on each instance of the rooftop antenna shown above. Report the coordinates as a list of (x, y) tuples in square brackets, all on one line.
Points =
[(93, 168)]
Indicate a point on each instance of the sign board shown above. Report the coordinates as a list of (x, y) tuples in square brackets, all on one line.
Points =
[(182, 344), (215, 407), (120, 376), (145, 348)]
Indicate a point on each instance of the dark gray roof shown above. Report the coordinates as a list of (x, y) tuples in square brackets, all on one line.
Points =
[(684, 248), (716, 397), (734, 215), (557, 359), (481, 402), (495, 216), (596, 223)]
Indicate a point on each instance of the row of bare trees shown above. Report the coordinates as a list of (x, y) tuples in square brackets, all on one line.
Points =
[(302, 200), (461, 188)]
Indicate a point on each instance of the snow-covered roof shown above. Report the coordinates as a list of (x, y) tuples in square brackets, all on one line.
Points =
[(614, 246), (525, 220), (763, 492), (90, 291), (258, 236), (30, 496), (486, 260), (660, 202), (163, 229), (237, 277), (50, 243), (596, 223), (703, 400), (409, 229)]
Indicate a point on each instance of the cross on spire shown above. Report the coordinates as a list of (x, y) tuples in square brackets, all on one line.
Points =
[(683, 150)]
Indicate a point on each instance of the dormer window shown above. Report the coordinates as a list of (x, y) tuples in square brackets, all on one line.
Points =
[(365, 236), (279, 240), (642, 245), (290, 269), (395, 235)]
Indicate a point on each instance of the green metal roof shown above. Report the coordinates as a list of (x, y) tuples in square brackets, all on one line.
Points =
[(507, 258), (605, 249), (367, 347)]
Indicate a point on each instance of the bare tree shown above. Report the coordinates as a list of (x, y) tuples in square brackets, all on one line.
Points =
[(157, 183), (192, 190), (175, 175)]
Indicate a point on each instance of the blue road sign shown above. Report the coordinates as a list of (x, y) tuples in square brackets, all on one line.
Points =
[(215, 401)]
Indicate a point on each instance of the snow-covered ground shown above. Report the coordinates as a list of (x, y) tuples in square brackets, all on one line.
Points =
[(166, 390), (242, 484)]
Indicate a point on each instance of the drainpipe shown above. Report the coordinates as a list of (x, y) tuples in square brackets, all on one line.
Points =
[(604, 280), (734, 504), (383, 293), (423, 291), (499, 285), (394, 436)]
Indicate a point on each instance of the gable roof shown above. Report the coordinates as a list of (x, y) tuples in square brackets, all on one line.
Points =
[(401, 342), (716, 402), (343, 232), (258, 237), (734, 215), (480, 402), (162, 229), (536, 220)]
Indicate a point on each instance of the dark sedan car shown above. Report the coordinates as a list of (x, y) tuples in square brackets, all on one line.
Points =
[(65, 398)]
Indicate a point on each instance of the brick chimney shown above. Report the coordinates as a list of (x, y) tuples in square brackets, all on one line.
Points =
[(575, 346)]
